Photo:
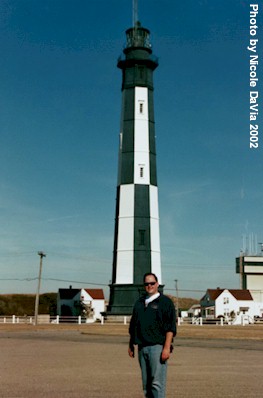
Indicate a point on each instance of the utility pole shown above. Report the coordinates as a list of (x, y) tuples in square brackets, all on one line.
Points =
[(41, 254), (177, 297)]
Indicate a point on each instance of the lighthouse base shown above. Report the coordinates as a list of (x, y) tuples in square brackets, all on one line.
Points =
[(123, 298)]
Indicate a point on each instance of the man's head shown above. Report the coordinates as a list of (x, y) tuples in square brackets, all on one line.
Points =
[(150, 283)]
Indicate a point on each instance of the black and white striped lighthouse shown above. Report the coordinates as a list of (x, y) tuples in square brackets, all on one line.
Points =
[(137, 238)]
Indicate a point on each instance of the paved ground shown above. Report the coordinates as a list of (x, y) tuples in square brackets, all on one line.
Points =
[(69, 363)]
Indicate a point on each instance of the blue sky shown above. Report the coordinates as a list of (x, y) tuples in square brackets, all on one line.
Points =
[(60, 103)]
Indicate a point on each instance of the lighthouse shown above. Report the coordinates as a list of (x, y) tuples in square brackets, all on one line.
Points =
[(136, 236)]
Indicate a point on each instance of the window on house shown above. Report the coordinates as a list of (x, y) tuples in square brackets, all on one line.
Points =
[(226, 300), (142, 237)]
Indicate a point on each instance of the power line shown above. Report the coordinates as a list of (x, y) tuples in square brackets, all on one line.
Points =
[(64, 255), (187, 290), (80, 282), (94, 284), (53, 279), (17, 254), (78, 257), (108, 261), (213, 266), (19, 279)]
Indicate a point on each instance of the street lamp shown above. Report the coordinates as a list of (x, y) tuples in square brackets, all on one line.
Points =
[(41, 254), (177, 297)]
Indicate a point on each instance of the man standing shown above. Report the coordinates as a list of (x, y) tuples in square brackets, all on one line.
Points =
[(152, 328)]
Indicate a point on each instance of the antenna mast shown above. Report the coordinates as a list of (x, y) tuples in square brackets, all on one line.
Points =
[(135, 12)]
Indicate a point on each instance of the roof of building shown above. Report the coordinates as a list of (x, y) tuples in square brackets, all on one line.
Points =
[(68, 294), (194, 307), (96, 294), (239, 294)]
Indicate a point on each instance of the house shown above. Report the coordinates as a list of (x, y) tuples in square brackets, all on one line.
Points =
[(232, 304), (95, 297), (194, 311), (85, 302)]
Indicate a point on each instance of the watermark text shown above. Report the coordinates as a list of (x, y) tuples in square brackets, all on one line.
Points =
[(253, 77)]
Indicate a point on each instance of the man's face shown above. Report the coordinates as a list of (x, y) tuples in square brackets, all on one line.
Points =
[(150, 285)]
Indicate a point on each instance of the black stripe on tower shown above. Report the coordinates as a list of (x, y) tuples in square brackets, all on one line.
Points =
[(142, 242), (127, 145), (114, 265), (152, 147), (137, 70)]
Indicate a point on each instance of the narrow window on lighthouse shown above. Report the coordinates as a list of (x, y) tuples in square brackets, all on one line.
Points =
[(141, 72), (141, 171), (141, 107), (142, 237)]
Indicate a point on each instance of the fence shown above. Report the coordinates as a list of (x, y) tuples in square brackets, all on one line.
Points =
[(16, 319), (46, 319), (70, 319), (222, 321), (43, 319)]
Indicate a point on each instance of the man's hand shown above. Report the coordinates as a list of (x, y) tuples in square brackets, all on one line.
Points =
[(165, 354), (166, 348), (131, 350)]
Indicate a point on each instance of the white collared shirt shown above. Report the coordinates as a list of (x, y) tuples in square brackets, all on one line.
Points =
[(151, 298)]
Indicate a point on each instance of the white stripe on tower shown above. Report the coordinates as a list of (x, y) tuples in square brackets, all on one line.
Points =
[(141, 137), (125, 235), (155, 234)]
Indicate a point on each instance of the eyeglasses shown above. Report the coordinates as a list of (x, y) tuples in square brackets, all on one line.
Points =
[(149, 283)]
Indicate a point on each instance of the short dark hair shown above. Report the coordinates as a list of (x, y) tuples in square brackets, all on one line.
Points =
[(149, 274)]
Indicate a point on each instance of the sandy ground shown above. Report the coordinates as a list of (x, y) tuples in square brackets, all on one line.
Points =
[(91, 361), (251, 332)]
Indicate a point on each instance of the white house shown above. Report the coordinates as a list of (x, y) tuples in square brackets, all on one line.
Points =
[(75, 302), (232, 304), (95, 297), (194, 311)]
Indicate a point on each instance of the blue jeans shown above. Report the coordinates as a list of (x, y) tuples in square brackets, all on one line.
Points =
[(153, 371)]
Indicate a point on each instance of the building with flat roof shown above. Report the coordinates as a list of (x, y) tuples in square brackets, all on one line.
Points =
[(250, 269)]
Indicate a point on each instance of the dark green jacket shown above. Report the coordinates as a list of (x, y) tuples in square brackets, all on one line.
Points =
[(150, 324)]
